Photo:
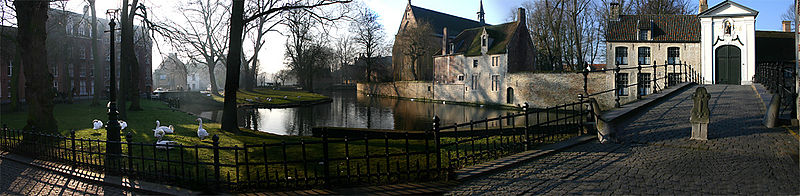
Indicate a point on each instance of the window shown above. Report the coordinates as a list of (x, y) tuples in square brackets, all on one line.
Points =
[(622, 84), (643, 34), (621, 55), (461, 77), (495, 61), (69, 29), (483, 40), (673, 55), (83, 88), (71, 70), (673, 79), (643, 83), (81, 71), (55, 70), (83, 53), (495, 82), (163, 77), (474, 63), (644, 55), (55, 84), (474, 81), (10, 68)]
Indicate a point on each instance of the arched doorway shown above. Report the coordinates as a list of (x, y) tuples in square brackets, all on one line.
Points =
[(729, 65), (510, 95)]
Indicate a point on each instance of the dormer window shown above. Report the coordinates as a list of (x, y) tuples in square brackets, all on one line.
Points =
[(643, 35)]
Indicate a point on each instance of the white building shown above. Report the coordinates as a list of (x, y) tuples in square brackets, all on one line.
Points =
[(728, 43)]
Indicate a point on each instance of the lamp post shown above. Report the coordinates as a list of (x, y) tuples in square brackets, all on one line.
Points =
[(113, 147)]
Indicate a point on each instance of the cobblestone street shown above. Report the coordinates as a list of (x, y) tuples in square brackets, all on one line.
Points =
[(22, 179), (655, 156)]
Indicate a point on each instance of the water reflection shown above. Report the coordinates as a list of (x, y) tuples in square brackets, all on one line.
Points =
[(350, 109)]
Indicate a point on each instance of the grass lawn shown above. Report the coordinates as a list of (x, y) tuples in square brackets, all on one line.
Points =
[(272, 97), (305, 158)]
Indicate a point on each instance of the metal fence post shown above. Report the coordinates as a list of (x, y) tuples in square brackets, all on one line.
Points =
[(129, 140), (585, 81), (616, 86), (638, 81), (215, 147), (527, 138), (74, 152), (655, 77), (666, 75), (325, 157), (437, 144)]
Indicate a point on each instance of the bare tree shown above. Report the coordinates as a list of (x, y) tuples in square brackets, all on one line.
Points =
[(663, 6), (369, 36), (416, 45), (256, 30), (32, 35), (98, 67)]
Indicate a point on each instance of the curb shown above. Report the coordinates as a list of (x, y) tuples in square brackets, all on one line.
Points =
[(115, 181)]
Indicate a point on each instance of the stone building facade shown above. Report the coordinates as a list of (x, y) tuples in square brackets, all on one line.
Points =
[(480, 60), (414, 15), (172, 74), (70, 55)]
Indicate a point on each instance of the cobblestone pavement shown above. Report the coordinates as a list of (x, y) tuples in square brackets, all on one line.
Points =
[(22, 179), (655, 156)]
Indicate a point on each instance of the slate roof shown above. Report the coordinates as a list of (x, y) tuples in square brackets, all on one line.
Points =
[(468, 41), (665, 28), (440, 20)]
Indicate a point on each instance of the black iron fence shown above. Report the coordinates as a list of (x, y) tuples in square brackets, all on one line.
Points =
[(779, 79), (312, 162), (647, 79)]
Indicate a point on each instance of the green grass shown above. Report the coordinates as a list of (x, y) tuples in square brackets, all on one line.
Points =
[(272, 97), (79, 116)]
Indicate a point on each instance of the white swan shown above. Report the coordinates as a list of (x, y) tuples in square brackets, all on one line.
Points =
[(164, 144), (166, 129), (122, 124), (158, 133), (97, 124), (201, 133)]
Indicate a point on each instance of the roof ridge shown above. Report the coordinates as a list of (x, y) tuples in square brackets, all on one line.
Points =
[(426, 9)]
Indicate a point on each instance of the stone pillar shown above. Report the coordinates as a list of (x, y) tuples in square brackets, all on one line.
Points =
[(771, 117), (605, 130), (700, 114)]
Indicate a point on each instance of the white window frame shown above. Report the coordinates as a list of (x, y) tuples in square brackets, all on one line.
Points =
[(475, 78), (495, 83)]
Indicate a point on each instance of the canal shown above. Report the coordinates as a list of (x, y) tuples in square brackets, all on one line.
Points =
[(353, 110)]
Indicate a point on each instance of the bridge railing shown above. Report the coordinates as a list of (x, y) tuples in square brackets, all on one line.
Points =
[(779, 78), (649, 79)]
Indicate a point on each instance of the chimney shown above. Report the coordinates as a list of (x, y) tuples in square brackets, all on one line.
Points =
[(614, 12), (703, 6), (787, 26), (521, 15), (444, 41)]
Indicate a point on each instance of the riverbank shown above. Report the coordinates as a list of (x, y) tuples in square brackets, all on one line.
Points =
[(268, 98)]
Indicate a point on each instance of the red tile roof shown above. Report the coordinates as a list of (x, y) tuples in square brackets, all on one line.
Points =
[(665, 28)]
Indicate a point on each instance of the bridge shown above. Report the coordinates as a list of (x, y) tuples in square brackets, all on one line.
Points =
[(655, 156)]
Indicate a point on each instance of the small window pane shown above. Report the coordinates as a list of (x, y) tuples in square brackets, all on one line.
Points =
[(621, 56), (644, 55)]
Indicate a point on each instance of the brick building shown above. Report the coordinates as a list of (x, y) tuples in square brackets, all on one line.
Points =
[(70, 55)]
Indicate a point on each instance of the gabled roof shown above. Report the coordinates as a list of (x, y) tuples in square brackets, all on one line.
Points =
[(468, 41), (440, 20), (664, 28), (711, 12)]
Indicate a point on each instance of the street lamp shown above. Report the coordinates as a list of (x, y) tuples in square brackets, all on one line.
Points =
[(113, 147)]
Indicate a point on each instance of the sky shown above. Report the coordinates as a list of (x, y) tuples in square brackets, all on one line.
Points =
[(391, 12)]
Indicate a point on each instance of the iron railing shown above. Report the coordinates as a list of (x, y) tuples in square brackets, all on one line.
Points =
[(779, 78), (312, 162), (679, 73)]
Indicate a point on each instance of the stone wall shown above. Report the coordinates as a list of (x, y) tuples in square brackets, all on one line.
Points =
[(540, 90)]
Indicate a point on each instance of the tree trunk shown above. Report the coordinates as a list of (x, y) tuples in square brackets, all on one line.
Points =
[(252, 83), (129, 60), (32, 18), (211, 64), (234, 62), (15, 71), (98, 67)]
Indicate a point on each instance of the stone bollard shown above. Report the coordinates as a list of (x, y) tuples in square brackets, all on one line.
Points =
[(771, 117), (700, 114), (605, 130)]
